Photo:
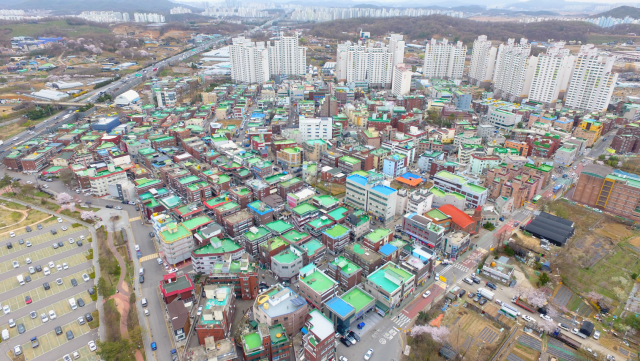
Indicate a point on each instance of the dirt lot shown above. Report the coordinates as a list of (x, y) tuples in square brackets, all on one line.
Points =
[(471, 332)]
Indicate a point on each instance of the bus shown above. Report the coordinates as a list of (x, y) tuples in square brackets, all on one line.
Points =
[(536, 199)]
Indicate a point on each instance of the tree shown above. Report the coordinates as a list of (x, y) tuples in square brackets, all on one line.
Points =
[(121, 350), (544, 278), (29, 189), (536, 297), (547, 326), (439, 334), (66, 176), (64, 198), (88, 215), (103, 288)]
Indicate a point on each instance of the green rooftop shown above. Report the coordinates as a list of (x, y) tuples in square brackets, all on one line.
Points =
[(357, 298), (174, 232), (319, 222), (224, 246), (294, 236), (318, 281), (286, 257), (251, 342), (304, 209), (383, 277), (278, 334), (337, 231), (377, 235), (196, 222), (312, 246), (254, 236), (350, 160), (279, 226), (345, 265)]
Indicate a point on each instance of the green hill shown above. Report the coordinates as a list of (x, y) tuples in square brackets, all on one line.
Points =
[(621, 12)]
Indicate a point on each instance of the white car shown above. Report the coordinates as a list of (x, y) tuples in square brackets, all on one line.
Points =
[(44, 318), (46, 271), (527, 318), (65, 266), (199, 311), (59, 220), (17, 350), (6, 309), (159, 260), (368, 355), (173, 270), (85, 277), (426, 294), (137, 247), (28, 243), (59, 267), (28, 260), (12, 234), (575, 331), (545, 317), (29, 182), (71, 240), (596, 335), (32, 270), (342, 358), (51, 264), (52, 315), (15, 264), (92, 346), (59, 281)]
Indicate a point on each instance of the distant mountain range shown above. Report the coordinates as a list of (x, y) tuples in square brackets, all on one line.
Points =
[(621, 12), (75, 6)]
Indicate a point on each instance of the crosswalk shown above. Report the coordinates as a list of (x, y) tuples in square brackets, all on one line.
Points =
[(134, 219), (149, 257), (401, 320), (461, 267)]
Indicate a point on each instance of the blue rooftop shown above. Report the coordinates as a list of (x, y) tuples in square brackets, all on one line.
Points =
[(388, 249), (358, 179), (384, 190), (255, 206), (339, 307)]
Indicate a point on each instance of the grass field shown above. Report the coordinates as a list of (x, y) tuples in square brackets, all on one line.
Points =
[(61, 25)]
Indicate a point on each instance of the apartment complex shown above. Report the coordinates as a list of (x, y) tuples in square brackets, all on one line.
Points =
[(315, 128), (592, 81), (444, 59), (512, 69), (362, 63), (551, 76), (287, 57), (483, 58), (249, 61), (401, 79)]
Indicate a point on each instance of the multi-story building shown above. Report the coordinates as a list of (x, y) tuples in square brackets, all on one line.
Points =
[(100, 180), (449, 182), (390, 285), (302, 214), (359, 63), (315, 286), (394, 165), (377, 238), (336, 238), (176, 242), (365, 258), (256, 345), (456, 244), (249, 61), (281, 305), (444, 59), (592, 80), (239, 274), (615, 193), (286, 56), (241, 195), (483, 59), (551, 76), (401, 79), (217, 314), (315, 128), (513, 70), (204, 258), (419, 267), (238, 223), (423, 229), (287, 264), (396, 46), (369, 193), (289, 158), (345, 272), (262, 213), (320, 341)]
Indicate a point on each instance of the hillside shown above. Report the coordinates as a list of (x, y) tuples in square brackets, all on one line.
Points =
[(621, 12), (426, 27), (75, 6)]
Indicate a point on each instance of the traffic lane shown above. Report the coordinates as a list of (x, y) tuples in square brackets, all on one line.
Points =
[(66, 294), (159, 330)]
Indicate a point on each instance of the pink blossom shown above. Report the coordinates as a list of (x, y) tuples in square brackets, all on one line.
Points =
[(439, 334)]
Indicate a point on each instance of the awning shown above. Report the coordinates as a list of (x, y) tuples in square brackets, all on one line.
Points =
[(382, 306), (304, 331), (253, 324)]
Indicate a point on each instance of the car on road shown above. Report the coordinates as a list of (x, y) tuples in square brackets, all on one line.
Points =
[(118, 208), (137, 247), (476, 280), (173, 270), (199, 311), (92, 346), (108, 206), (528, 318), (467, 280), (491, 285), (426, 294), (368, 355), (462, 292), (151, 234), (342, 358), (545, 317), (28, 229), (59, 220), (154, 346), (12, 234)]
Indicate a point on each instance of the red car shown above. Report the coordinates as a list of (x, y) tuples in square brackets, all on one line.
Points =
[(154, 69), (27, 299)]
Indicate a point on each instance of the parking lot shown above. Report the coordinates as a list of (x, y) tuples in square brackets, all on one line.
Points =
[(12, 294), (85, 355)]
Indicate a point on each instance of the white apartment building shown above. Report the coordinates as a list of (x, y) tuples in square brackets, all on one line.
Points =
[(286, 56), (249, 61), (166, 98), (552, 74), (510, 74), (444, 59), (375, 197), (592, 82), (359, 63), (100, 181), (483, 59), (401, 80), (503, 119), (420, 201), (475, 195), (316, 128), (396, 46), (148, 18)]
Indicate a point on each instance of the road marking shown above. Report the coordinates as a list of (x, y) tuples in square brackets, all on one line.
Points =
[(149, 257), (383, 341), (134, 219)]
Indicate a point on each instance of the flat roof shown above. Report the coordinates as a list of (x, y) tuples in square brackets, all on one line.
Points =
[(384, 277), (345, 265), (294, 235), (357, 298), (318, 281), (226, 245), (340, 307), (286, 256), (377, 235), (279, 226), (336, 231)]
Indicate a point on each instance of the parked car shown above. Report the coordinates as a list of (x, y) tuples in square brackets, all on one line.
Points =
[(345, 341), (80, 302), (354, 335)]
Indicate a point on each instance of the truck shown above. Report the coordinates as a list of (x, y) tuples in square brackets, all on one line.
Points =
[(174, 355), (566, 339), (34, 342), (509, 312), (485, 293), (524, 305)]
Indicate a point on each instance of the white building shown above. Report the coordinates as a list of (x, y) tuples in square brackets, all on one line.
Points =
[(179, 10), (475, 195), (148, 18), (420, 201), (483, 59), (100, 181), (503, 119), (551, 75), (127, 98), (592, 82), (510, 74), (401, 80), (371, 194), (286, 56), (316, 128), (359, 63), (444, 59), (249, 61), (166, 98), (396, 46)]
